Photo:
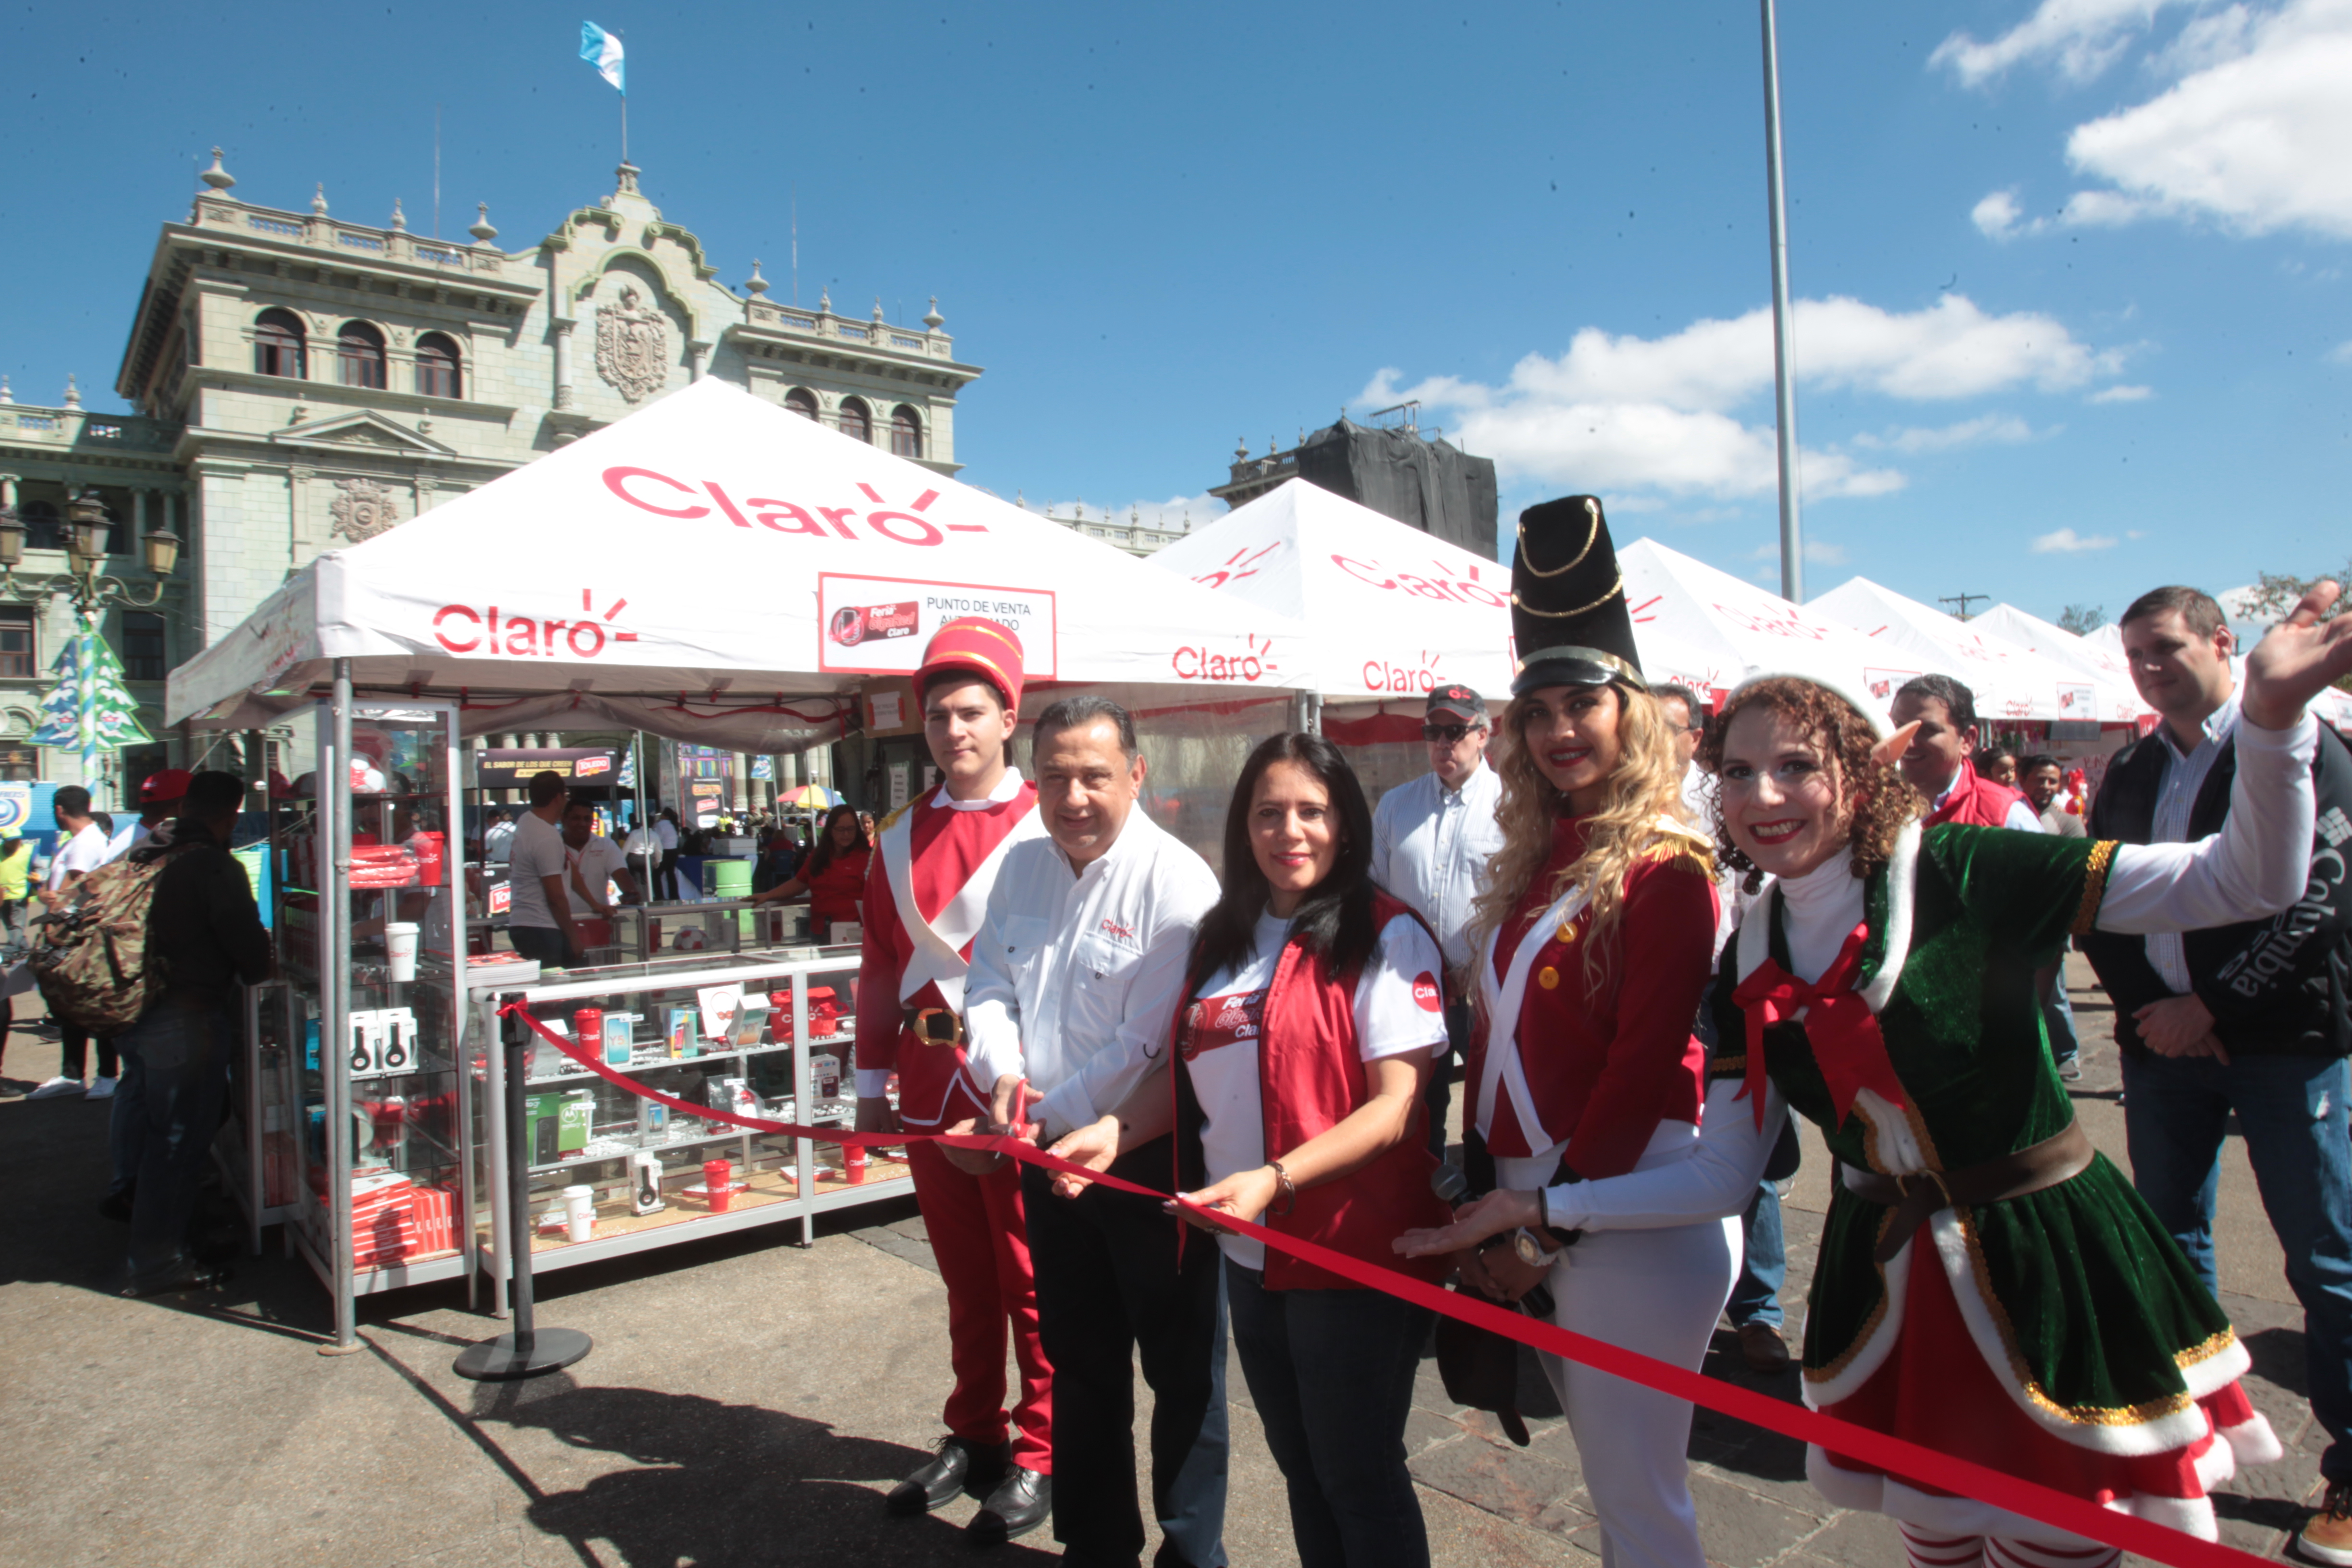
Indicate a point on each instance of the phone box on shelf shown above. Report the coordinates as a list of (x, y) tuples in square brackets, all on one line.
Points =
[(751, 1026), (620, 1031), (825, 1075), (558, 1124), (678, 1022)]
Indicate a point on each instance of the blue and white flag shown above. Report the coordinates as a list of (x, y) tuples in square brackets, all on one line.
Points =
[(603, 50)]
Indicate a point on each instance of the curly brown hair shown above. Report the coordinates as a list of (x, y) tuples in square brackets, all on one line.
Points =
[(1872, 796)]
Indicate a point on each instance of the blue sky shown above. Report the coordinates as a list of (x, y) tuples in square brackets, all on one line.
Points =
[(2071, 275)]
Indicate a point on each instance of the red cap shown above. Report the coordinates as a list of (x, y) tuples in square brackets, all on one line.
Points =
[(983, 646), (164, 786)]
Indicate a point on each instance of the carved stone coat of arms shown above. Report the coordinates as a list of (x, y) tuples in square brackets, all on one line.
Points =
[(361, 510), (632, 346)]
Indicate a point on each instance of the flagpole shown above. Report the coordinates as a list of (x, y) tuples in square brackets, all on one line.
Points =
[(625, 128), (1792, 566)]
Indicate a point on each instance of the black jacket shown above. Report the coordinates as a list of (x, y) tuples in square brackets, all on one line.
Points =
[(204, 931), (2275, 987)]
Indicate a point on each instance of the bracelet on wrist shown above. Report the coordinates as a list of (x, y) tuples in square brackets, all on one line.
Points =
[(1284, 1191)]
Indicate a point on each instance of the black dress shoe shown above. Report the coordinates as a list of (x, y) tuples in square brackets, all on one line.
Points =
[(1020, 1503), (189, 1279), (959, 1466)]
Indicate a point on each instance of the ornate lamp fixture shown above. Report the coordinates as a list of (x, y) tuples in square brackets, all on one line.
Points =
[(87, 527)]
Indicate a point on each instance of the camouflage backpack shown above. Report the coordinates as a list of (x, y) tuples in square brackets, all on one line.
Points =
[(93, 962)]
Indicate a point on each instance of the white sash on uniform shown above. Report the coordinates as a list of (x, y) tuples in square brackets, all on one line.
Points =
[(1502, 1062), (938, 945)]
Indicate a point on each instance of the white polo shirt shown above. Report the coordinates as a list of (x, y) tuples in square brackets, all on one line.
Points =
[(1075, 976), (1429, 846)]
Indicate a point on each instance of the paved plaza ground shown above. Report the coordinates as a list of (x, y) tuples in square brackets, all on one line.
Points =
[(749, 1402)]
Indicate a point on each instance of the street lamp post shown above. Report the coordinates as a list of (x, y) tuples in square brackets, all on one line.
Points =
[(87, 584)]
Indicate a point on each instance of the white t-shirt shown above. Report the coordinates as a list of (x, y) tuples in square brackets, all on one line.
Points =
[(666, 831), (85, 852), (597, 861), (1399, 1008), (495, 840), (537, 851), (642, 841)]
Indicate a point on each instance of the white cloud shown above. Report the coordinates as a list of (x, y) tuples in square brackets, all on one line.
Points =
[(1996, 216), (1662, 414), (1989, 427), (2082, 37), (2066, 541), (2341, 354), (2123, 395)]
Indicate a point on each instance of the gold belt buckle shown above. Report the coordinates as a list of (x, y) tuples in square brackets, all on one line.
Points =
[(922, 1028)]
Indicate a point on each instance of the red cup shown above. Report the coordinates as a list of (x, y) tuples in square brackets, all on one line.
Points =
[(719, 1183), (853, 1163), (588, 1029)]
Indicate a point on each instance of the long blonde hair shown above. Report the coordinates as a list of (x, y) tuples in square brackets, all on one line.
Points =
[(1646, 784)]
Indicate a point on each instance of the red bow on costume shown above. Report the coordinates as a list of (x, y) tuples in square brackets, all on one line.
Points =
[(1841, 1026)]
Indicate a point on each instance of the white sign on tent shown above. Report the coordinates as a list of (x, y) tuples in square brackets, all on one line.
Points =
[(2007, 681), (2118, 700), (1707, 629), (1389, 611), (715, 543)]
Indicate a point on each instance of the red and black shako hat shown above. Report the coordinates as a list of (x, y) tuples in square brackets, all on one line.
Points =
[(1568, 601), (980, 647)]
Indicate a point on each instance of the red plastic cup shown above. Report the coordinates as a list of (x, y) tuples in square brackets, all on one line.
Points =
[(719, 1183), (853, 1163), (588, 1029)]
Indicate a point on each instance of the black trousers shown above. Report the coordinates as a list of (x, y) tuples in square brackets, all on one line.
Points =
[(1109, 1287), (667, 876), (73, 1054)]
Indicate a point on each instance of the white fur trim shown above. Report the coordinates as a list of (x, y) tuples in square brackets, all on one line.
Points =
[(1901, 883), (2160, 1436), (1872, 1353), (2253, 1442), (1873, 1493), (1892, 1138), (2218, 1370), (1876, 714)]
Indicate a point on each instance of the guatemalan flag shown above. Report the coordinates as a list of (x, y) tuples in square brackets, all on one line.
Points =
[(603, 50)]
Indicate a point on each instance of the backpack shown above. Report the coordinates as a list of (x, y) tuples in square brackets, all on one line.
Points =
[(92, 965)]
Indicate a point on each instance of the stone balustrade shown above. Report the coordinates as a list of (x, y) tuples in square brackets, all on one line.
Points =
[(820, 324), (30, 425), (319, 232)]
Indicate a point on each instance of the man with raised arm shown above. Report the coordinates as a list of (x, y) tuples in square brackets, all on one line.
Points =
[(926, 894)]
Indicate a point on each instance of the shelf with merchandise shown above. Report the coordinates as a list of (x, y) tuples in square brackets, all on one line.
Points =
[(641, 1061)]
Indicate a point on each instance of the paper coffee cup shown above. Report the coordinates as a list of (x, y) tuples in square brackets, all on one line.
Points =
[(400, 949), (580, 1211)]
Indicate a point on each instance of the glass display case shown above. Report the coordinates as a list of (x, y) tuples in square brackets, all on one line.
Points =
[(610, 1173), (370, 924)]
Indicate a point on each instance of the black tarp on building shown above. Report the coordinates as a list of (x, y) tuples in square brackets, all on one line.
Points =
[(1428, 485)]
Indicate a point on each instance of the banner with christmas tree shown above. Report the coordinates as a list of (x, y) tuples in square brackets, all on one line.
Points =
[(88, 708)]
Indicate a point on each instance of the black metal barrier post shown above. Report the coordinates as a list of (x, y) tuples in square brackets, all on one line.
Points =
[(529, 1350)]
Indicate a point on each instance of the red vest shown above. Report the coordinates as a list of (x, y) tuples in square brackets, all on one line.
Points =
[(1975, 801), (1311, 1078)]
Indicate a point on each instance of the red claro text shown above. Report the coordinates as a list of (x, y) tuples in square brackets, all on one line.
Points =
[(1445, 585), (666, 496), (485, 631), (1197, 662)]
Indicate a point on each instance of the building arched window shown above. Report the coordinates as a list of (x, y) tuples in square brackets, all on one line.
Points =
[(799, 400), (436, 367), (359, 348), (278, 344), (906, 432), (42, 529), (855, 421)]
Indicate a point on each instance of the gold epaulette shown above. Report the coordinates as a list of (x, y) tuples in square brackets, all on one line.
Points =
[(1685, 847), (890, 819), (1719, 1067)]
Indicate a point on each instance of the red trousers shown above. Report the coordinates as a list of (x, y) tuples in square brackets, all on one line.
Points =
[(981, 1245)]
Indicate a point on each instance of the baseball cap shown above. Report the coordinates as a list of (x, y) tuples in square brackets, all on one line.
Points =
[(164, 786), (1459, 700)]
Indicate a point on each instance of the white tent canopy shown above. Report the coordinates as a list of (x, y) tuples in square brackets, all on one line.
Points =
[(2007, 681), (1709, 630), (2120, 700), (697, 567), (1390, 611)]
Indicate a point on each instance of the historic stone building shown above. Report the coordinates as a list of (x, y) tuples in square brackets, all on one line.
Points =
[(303, 382)]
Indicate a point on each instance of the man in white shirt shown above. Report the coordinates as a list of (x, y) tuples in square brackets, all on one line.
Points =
[(498, 839), (1073, 988), (1431, 841), (595, 867), (666, 837), (539, 915), (81, 849), (642, 848)]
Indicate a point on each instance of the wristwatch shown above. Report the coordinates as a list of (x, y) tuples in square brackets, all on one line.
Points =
[(1531, 1249)]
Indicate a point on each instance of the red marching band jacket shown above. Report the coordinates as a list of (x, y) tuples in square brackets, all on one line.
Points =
[(1600, 1065), (1311, 1078)]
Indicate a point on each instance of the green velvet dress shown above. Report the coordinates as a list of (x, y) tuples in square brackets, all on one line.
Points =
[(2078, 1304)]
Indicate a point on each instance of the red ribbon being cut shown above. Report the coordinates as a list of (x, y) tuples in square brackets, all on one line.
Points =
[(1961, 1477)]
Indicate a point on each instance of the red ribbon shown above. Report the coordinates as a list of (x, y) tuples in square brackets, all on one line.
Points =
[(1896, 1455), (1842, 1030)]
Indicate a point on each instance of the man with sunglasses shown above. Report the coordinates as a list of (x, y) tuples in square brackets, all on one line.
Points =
[(1431, 840)]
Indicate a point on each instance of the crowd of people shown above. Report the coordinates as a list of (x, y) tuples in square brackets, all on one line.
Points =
[(1653, 934)]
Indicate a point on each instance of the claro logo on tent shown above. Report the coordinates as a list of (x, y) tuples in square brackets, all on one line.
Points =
[(1251, 665), (1450, 585), (462, 628), (666, 496)]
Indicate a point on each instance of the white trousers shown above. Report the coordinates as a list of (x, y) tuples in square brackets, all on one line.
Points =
[(1658, 1292)]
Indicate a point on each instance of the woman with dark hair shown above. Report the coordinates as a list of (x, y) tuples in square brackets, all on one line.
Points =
[(835, 877), (1310, 1013), (1988, 1285)]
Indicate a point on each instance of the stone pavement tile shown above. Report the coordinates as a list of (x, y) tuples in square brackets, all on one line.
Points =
[(1853, 1540), (1516, 1483), (1740, 1529), (1464, 1536), (1425, 1428)]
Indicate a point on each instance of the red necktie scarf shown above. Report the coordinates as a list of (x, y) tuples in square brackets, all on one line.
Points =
[(1841, 1026)]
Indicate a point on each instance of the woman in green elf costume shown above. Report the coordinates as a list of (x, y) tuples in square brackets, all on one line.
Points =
[(1988, 1285)]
